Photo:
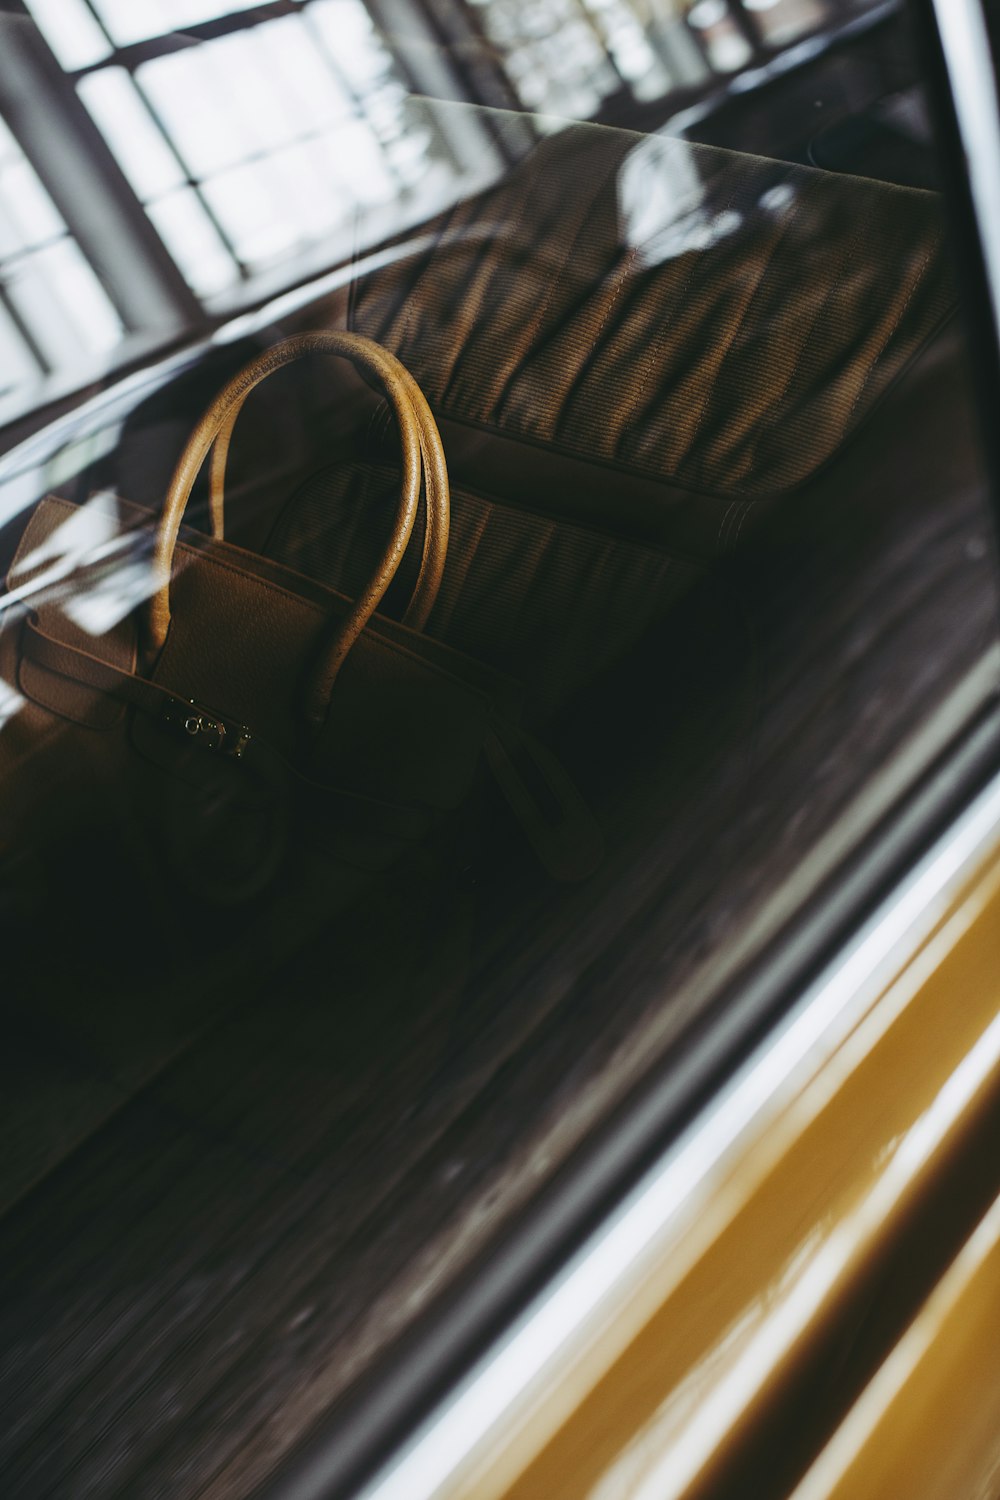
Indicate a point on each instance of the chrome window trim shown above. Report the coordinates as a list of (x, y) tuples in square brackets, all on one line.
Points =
[(965, 46), (653, 1217)]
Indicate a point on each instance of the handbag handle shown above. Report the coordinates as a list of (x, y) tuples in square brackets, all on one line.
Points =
[(422, 458), (435, 482)]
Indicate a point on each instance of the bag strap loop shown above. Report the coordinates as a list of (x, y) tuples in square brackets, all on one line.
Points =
[(422, 458)]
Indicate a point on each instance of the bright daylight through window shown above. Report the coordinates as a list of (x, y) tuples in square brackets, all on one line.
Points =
[(264, 142)]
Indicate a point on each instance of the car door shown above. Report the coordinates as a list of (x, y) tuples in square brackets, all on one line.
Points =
[(569, 1067)]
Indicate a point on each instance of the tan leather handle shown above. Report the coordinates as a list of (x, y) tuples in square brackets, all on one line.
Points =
[(436, 498), (422, 456)]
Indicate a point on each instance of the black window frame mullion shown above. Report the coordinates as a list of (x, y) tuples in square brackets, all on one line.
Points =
[(132, 55), (99, 208), (356, 99), (189, 181)]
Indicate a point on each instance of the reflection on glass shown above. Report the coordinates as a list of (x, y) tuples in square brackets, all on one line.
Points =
[(138, 20), (726, 46), (71, 31), (310, 89), (110, 594), (784, 21), (662, 204), (249, 148), (252, 206), (111, 569), (626, 40), (254, 147), (715, 528), (124, 119), (79, 540), (77, 297), (17, 367), (210, 121), (10, 702), (54, 313), (194, 242), (553, 53), (28, 217)]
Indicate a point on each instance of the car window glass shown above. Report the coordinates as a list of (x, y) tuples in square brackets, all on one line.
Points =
[(367, 838)]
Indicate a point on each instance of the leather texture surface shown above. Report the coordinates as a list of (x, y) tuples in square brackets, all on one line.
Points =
[(631, 344), (286, 708), (410, 713), (423, 464), (678, 312), (237, 705), (553, 602)]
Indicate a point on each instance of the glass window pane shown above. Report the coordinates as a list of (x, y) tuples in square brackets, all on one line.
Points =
[(66, 312), (18, 367), (351, 39), (134, 137), (194, 11), (86, 304), (136, 20), (11, 239), (553, 51), (189, 95), (30, 213), (41, 287), (356, 157), (627, 42), (784, 21), (252, 89), (388, 109), (411, 155), (726, 47), (291, 1038), (220, 103), (194, 242), (71, 31), (250, 205), (9, 149), (310, 89)]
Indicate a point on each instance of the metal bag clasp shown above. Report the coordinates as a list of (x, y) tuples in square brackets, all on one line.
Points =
[(206, 729)]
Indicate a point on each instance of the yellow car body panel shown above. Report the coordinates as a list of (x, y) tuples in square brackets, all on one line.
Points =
[(719, 1353), (927, 1425)]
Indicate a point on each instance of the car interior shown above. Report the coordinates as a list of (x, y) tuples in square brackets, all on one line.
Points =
[(716, 504)]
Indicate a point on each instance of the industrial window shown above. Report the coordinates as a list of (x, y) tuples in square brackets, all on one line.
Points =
[(570, 56), (256, 133), (251, 145), (54, 313)]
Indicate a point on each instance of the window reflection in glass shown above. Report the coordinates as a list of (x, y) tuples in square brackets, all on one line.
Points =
[(72, 31), (138, 20), (255, 142), (248, 148), (54, 313)]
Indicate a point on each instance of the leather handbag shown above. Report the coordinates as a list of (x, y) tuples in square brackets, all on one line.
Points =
[(246, 730)]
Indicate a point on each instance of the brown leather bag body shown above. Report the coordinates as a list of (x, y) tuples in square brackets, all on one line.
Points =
[(245, 721)]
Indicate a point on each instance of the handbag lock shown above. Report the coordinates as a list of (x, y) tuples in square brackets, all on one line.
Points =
[(205, 729)]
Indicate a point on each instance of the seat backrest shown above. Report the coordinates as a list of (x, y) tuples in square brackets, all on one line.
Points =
[(693, 318)]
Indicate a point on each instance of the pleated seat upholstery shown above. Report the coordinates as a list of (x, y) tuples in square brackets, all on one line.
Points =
[(631, 345), (700, 318)]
